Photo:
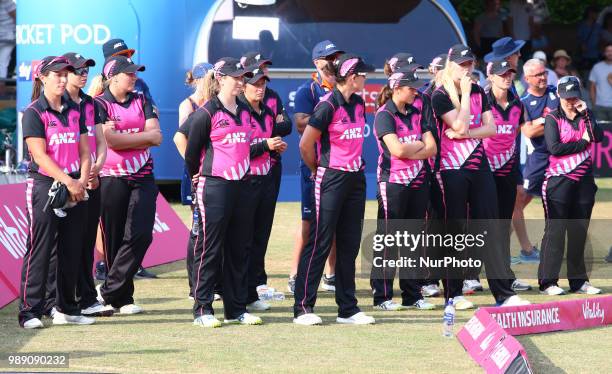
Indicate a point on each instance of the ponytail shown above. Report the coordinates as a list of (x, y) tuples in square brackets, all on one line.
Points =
[(37, 89), (97, 86), (211, 85), (385, 95), (449, 84), (189, 79), (387, 69)]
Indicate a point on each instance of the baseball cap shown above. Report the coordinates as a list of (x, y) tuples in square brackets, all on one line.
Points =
[(199, 70), (569, 87), (439, 62), (116, 46), (78, 61), (351, 64), (254, 59), (230, 66), (404, 76), (324, 49), (499, 67), (120, 64), (52, 63), (460, 53), (401, 60), (257, 75)]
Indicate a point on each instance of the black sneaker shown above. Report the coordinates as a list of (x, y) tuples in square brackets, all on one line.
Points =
[(608, 258), (100, 273), (144, 274), (329, 283)]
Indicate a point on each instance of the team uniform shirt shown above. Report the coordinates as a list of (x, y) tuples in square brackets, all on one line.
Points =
[(540, 106), (341, 124), (90, 115), (571, 156), (61, 130), (263, 128), (501, 149), (274, 102), (409, 128), (130, 118), (455, 154), (219, 141)]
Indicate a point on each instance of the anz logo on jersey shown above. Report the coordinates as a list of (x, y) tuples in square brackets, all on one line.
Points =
[(354, 133), (504, 129), (235, 137), (408, 139)]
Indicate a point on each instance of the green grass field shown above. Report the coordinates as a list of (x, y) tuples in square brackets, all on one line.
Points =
[(164, 340)]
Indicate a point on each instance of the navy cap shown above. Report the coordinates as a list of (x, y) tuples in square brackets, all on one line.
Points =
[(460, 53), (499, 68), (52, 63), (257, 75), (402, 59), (503, 48), (569, 87), (120, 64), (405, 76), (351, 64), (116, 46), (324, 49), (78, 61), (232, 67), (254, 59)]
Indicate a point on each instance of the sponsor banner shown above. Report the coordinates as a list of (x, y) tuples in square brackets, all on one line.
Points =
[(554, 316), (170, 237), (494, 349)]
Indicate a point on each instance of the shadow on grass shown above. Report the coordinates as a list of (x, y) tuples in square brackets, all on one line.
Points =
[(540, 363)]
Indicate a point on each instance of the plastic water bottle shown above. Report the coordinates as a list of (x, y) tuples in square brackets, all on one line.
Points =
[(449, 319), (271, 295)]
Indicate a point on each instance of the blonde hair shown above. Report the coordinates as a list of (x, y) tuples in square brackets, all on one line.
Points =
[(97, 86), (449, 84), (210, 86)]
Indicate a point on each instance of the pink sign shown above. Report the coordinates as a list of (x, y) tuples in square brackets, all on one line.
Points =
[(554, 315), (491, 346), (170, 237)]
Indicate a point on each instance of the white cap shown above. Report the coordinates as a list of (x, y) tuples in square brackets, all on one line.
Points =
[(540, 55)]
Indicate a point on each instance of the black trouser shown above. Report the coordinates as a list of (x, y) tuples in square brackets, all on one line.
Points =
[(128, 214), (506, 199), (85, 288), (227, 224), (263, 203), (435, 215), (469, 193), (193, 234), (340, 204), (568, 205), (398, 202), (47, 231)]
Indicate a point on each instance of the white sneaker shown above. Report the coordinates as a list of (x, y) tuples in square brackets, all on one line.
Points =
[(431, 290), (422, 304), (519, 285), (588, 289), (264, 288), (245, 319), (65, 319), (515, 300), (258, 305), (98, 310), (130, 309), (207, 320), (461, 303), (308, 319), (553, 291), (99, 296), (357, 319), (390, 305), (190, 297), (33, 323), (470, 286), (217, 297), (52, 312)]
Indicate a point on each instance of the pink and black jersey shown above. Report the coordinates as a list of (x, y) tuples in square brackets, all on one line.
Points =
[(501, 149), (409, 128), (61, 131), (274, 102), (341, 124), (570, 155), (130, 117), (219, 142), (263, 128), (457, 154), (90, 115)]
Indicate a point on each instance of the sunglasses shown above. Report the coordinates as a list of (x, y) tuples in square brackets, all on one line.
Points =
[(82, 71)]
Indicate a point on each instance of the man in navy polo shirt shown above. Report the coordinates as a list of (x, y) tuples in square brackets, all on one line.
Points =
[(306, 98)]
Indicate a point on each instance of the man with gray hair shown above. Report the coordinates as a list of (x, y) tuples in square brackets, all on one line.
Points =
[(539, 100)]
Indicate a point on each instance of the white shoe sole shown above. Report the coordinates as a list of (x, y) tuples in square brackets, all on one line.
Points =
[(64, 322), (209, 325), (348, 321), (325, 287), (34, 326)]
